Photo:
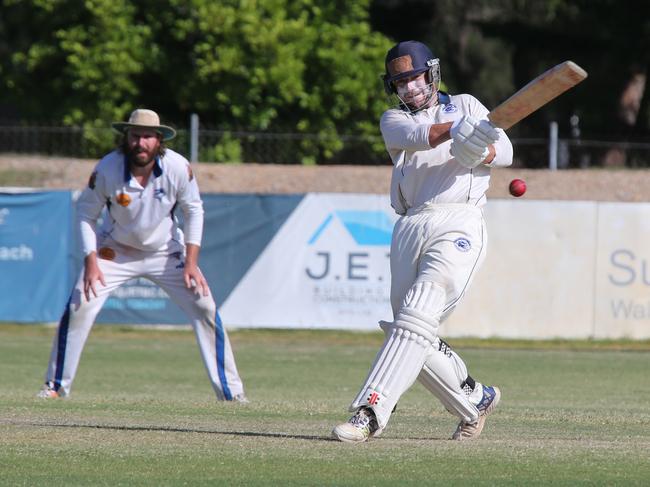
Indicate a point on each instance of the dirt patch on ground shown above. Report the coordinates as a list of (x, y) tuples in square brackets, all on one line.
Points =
[(588, 185)]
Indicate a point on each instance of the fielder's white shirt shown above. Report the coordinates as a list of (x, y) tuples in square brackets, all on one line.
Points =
[(422, 174), (141, 217)]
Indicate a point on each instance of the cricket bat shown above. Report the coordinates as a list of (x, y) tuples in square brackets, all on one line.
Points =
[(537, 93)]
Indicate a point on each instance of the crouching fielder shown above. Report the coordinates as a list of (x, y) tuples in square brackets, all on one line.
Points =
[(141, 184), (442, 149)]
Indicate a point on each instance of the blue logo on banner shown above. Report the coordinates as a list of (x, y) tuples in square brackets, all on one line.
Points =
[(365, 227)]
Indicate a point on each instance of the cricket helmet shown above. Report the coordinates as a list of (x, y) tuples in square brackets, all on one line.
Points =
[(410, 58)]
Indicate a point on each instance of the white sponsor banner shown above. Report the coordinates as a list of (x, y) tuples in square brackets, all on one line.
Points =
[(554, 269), (561, 269), (537, 279), (327, 267), (622, 288)]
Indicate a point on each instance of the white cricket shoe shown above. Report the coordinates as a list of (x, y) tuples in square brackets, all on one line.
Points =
[(240, 398), (47, 392), (359, 428), (471, 431)]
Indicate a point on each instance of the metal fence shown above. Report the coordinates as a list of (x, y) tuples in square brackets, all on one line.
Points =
[(207, 145)]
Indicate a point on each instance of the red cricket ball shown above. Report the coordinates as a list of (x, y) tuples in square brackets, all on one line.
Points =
[(517, 187)]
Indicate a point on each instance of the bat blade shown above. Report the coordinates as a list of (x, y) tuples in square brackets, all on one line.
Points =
[(537, 93)]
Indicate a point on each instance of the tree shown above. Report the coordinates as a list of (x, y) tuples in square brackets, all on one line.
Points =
[(70, 61), (308, 66), (311, 67)]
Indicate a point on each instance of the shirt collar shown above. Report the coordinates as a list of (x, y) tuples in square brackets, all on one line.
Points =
[(157, 169), (127, 172)]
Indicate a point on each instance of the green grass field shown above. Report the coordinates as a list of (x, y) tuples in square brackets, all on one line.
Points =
[(142, 413)]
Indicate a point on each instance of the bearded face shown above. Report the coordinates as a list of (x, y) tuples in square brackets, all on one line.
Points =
[(142, 146)]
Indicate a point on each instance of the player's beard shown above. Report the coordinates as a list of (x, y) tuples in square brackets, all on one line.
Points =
[(140, 156)]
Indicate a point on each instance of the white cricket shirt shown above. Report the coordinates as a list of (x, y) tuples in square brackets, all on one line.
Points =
[(141, 217), (422, 174)]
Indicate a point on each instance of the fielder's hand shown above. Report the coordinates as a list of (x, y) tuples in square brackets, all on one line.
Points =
[(194, 280), (92, 275)]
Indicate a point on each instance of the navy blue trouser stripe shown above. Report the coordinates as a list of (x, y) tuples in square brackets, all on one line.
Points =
[(62, 342), (220, 344)]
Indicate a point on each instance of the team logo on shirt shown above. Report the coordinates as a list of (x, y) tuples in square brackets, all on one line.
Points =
[(462, 244), (159, 193), (123, 199), (450, 108), (178, 256), (92, 179)]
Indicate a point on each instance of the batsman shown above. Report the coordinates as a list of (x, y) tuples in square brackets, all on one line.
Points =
[(443, 148)]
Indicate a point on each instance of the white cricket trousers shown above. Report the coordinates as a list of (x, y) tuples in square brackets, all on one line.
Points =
[(166, 271), (445, 244), (441, 243)]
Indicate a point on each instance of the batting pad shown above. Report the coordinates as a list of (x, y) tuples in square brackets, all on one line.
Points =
[(439, 376), (396, 367), (409, 340)]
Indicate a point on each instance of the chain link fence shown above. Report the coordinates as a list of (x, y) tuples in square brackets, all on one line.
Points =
[(294, 148)]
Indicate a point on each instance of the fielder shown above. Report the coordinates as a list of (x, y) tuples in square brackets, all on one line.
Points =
[(141, 184), (442, 149)]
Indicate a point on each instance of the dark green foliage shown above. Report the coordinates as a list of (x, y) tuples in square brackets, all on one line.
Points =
[(310, 66), (299, 67), (491, 48)]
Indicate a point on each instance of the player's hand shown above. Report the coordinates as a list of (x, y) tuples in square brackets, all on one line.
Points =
[(194, 279), (92, 274), (474, 135), (467, 158), (485, 130)]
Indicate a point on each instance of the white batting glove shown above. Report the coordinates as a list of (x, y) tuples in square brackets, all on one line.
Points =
[(485, 130), (476, 135), (462, 128), (466, 157)]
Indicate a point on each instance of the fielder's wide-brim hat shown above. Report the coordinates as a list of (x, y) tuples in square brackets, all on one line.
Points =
[(407, 59), (148, 119)]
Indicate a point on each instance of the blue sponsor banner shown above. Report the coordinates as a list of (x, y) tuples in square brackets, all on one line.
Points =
[(40, 256), (35, 239), (140, 301), (236, 230)]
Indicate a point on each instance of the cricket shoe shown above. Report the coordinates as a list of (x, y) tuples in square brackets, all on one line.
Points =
[(240, 398), (47, 392), (359, 428), (489, 401)]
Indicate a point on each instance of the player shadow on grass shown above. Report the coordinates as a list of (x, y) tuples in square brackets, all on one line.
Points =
[(177, 430), (207, 431)]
